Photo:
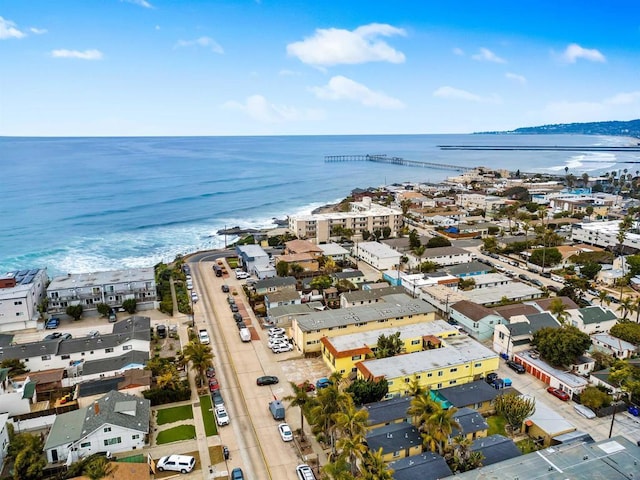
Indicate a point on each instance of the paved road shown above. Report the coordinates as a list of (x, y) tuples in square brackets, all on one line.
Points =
[(252, 435)]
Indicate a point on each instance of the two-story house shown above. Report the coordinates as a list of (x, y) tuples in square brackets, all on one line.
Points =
[(275, 284), (590, 320), (21, 292), (477, 320)]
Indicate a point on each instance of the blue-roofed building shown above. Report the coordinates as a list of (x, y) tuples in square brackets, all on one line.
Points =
[(426, 466), (495, 448)]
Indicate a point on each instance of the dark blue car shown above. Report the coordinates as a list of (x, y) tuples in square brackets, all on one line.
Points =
[(53, 322), (323, 382)]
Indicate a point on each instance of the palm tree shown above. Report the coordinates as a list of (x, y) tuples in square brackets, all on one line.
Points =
[(440, 425), (337, 470), (559, 309), (636, 308), (200, 357), (329, 401), (421, 408), (603, 296), (351, 421), (353, 448), (300, 398), (374, 467), (415, 388), (627, 306)]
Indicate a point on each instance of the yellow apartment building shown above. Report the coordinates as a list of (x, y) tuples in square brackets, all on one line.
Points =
[(341, 353), (307, 331), (460, 360)]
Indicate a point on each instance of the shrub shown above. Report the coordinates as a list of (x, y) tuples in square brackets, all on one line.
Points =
[(103, 309), (160, 396), (130, 305)]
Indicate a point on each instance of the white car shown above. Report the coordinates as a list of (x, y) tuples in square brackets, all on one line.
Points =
[(282, 348), (189, 285), (277, 343), (222, 417), (285, 432), (276, 331), (242, 275), (194, 297), (176, 463)]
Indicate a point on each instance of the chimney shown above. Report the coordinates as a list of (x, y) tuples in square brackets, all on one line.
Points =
[(96, 407)]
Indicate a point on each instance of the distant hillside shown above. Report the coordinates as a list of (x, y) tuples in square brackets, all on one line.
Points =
[(615, 128)]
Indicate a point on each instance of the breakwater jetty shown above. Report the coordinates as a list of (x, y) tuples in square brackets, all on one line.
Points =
[(394, 161)]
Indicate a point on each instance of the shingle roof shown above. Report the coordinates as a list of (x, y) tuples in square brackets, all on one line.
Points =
[(134, 324), (470, 421), (444, 251), (495, 448), (275, 282), (111, 364), (472, 310), (365, 295), (508, 311), (426, 466), (535, 323), (393, 437), (466, 268), (545, 303), (596, 314), (469, 393), (347, 274), (388, 410)]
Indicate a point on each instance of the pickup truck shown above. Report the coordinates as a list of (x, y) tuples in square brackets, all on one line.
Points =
[(245, 335), (204, 337)]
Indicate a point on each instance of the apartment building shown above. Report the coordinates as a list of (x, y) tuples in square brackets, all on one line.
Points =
[(21, 292), (603, 234), (363, 215), (112, 288)]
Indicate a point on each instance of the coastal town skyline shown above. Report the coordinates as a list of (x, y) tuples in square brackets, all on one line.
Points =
[(154, 68)]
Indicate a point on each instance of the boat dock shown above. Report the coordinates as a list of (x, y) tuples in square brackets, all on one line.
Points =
[(394, 161)]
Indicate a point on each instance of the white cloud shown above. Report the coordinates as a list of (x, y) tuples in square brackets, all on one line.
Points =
[(38, 31), (82, 55), (458, 51), (514, 76), (451, 93), (574, 51), (486, 55), (343, 88), (624, 98), (258, 108), (201, 42), (8, 29), (335, 46), (141, 3), (621, 105)]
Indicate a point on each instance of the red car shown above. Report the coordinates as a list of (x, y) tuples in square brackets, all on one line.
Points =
[(213, 385), (556, 392), (308, 387)]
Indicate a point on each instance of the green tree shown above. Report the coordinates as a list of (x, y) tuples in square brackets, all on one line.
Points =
[(389, 345), (462, 458), (200, 357), (466, 284), (282, 269), (590, 270), (296, 269), (28, 460), (16, 366), (103, 309), (594, 398), (561, 346), (320, 283), (517, 193), (438, 241), (559, 309), (338, 469), (603, 296), (428, 267), (301, 399), (74, 311), (439, 427), (405, 205), (421, 408), (515, 409), (546, 256), (386, 232), (626, 305), (374, 467), (329, 401), (351, 427), (130, 305), (368, 391), (633, 265), (627, 331), (490, 244), (414, 239)]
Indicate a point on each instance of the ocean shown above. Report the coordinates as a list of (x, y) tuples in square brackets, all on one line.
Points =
[(75, 205)]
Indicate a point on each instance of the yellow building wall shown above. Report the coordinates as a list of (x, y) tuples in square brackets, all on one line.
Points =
[(309, 342), (415, 450), (442, 377)]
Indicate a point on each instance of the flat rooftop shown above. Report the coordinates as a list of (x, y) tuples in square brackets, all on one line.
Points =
[(515, 290), (78, 280), (456, 351)]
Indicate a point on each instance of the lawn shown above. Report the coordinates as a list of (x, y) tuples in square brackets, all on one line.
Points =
[(174, 414), (176, 434), (206, 406), (496, 425), (527, 446)]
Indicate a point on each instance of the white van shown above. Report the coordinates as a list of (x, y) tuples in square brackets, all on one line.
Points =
[(176, 463), (584, 411), (304, 472)]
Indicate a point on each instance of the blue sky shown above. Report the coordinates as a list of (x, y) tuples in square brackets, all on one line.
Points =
[(287, 67)]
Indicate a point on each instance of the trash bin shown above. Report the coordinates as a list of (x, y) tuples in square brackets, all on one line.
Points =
[(225, 452)]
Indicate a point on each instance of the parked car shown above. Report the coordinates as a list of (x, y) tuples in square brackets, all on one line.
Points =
[(516, 367), (285, 432), (283, 348), (241, 325), (194, 297), (58, 336), (213, 385), (236, 474), (211, 372), (112, 315), (537, 282), (304, 472), (222, 417), (53, 322), (225, 288), (307, 386), (267, 380), (237, 317), (490, 377), (234, 308), (161, 330), (323, 382), (556, 392), (276, 331), (217, 399), (93, 334), (176, 463)]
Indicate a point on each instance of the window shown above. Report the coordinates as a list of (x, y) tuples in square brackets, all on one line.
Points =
[(135, 437), (127, 347), (112, 441), (45, 357), (415, 342), (453, 370), (356, 357), (429, 375), (440, 373), (107, 429), (108, 350), (85, 445), (18, 302), (396, 454), (452, 382), (65, 357), (477, 365)]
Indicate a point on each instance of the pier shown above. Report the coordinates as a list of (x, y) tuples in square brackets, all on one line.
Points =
[(394, 161)]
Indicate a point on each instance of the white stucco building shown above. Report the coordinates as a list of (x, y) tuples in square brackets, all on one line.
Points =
[(20, 293), (378, 255)]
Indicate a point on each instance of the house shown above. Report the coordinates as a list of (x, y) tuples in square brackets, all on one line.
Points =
[(112, 288), (602, 378), (21, 292), (281, 298), (387, 412), (620, 349), (335, 252), (495, 448), (16, 396), (554, 377), (477, 320), (512, 291), (358, 298), (515, 336), (459, 360), (590, 320), (46, 381), (275, 284), (425, 466), (397, 440), (416, 283), (302, 247), (472, 424), (341, 353), (308, 330), (104, 367), (115, 423), (307, 261), (469, 269), (378, 255), (131, 382), (447, 256), (282, 316), (477, 395), (4, 438), (546, 423), (489, 280), (354, 277), (253, 258), (331, 297)]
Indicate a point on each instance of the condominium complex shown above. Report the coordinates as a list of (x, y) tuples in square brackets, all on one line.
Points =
[(20, 294)]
